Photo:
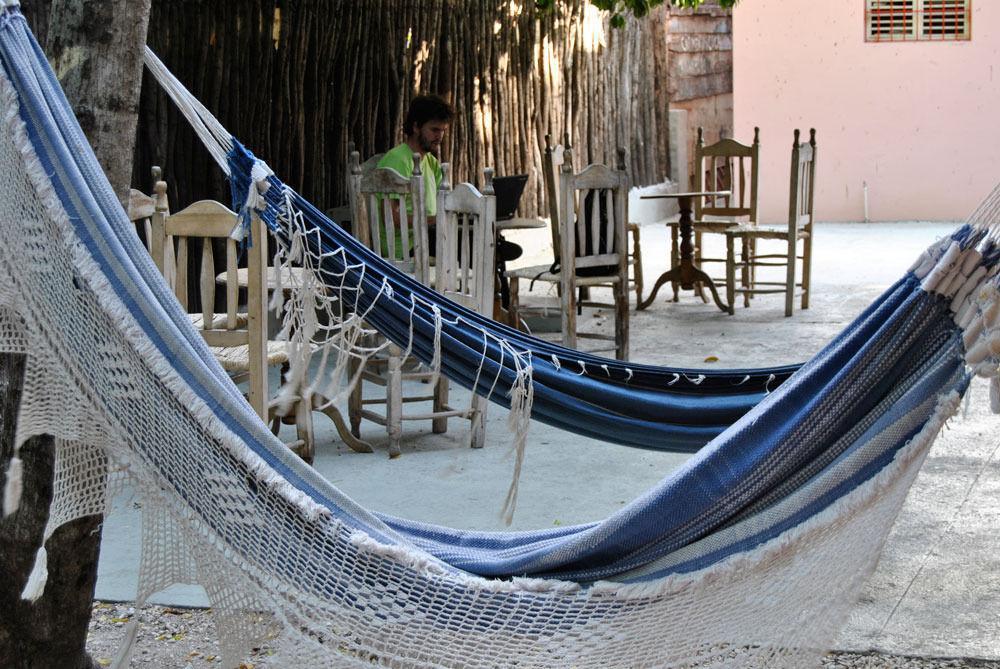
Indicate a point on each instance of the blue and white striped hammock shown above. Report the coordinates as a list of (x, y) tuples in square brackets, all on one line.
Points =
[(749, 554)]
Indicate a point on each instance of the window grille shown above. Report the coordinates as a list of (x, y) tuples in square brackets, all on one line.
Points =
[(917, 20)]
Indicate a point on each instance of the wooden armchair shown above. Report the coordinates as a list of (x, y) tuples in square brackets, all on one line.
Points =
[(594, 208), (799, 228), (237, 334)]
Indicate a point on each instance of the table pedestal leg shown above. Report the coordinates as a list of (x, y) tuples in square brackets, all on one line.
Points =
[(685, 273)]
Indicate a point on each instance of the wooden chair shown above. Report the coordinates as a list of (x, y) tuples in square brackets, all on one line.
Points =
[(465, 269), (237, 335), (726, 165), (552, 163), (799, 228), (608, 191), (378, 199)]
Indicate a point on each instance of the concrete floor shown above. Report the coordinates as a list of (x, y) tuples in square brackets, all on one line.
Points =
[(935, 591)]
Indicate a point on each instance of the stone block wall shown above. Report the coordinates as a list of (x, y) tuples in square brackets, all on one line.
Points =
[(699, 47)]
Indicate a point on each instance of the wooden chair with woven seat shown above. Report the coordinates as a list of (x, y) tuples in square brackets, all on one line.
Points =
[(798, 229), (605, 189), (237, 335), (726, 165), (388, 214)]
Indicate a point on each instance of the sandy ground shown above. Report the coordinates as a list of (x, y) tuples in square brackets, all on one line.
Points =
[(568, 479)]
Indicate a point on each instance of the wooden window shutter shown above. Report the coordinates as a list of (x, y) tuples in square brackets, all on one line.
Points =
[(917, 20)]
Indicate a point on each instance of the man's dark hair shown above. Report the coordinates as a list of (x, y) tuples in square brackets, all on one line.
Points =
[(425, 108)]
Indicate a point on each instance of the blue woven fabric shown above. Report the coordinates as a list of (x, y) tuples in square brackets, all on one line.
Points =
[(766, 456)]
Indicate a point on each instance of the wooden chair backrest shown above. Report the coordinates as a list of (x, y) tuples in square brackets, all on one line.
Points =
[(207, 221), (342, 213), (374, 197), (610, 188), (800, 201), (731, 166), (552, 162), (466, 244), (366, 166), (141, 208)]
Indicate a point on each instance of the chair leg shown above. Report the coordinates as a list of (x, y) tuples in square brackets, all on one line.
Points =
[(440, 425), (621, 320), (354, 399), (636, 263), (675, 259), (699, 289), (806, 268), (394, 401), (304, 429), (568, 299), (515, 303), (790, 275), (477, 428), (745, 269), (731, 274)]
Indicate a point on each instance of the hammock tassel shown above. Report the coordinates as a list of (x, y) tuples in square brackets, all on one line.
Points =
[(436, 361), (943, 269), (14, 486), (35, 586), (991, 313), (521, 398)]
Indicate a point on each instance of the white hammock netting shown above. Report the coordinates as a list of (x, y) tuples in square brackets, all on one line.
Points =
[(135, 400)]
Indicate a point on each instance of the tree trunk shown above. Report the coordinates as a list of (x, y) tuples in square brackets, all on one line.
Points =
[(51, 631), (96, 49)]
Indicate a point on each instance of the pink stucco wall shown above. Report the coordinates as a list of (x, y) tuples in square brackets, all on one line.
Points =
[(917, 121)]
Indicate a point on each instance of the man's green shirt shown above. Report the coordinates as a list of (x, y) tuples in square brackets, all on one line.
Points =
[(400, 158)]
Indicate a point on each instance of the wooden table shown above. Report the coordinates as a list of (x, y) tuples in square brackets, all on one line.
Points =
[(521, 224), (686, 273), (291, 276)]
